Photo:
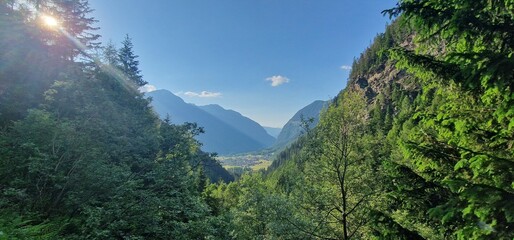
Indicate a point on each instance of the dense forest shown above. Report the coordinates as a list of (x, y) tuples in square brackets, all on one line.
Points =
[(419, 145), (83, 156)]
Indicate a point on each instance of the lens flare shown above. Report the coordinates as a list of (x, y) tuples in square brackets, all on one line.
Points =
[(50, 21)]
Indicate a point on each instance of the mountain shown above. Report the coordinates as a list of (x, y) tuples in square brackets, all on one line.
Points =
[(243, 124), (293, 128), (274, 132), (226, 132)]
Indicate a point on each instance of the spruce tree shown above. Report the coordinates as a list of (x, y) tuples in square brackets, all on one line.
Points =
[(129, 63), (75, 36), (110, 54)]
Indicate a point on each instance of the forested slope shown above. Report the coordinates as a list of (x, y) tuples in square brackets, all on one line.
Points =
[(418, 146), (82, 155), (293, 128)]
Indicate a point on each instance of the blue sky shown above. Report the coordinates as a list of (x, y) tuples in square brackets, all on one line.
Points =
[(264, 58)]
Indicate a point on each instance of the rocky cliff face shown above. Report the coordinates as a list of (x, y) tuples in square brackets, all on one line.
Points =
[(375, 73), (378, 82)]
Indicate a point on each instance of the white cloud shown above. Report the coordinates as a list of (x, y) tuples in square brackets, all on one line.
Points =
[(277, 80), (147, 88), (346, 67), (203, 94)]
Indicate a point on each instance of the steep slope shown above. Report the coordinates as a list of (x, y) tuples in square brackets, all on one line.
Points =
[(301, 168), (293, 128), (424, 164), (219, 136), (243, 124)]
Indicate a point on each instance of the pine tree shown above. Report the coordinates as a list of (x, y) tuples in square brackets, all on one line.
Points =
[(75, 36), (110, 54), (129, 63)]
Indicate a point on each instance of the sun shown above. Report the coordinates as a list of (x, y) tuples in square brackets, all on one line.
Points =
[(50, 21)]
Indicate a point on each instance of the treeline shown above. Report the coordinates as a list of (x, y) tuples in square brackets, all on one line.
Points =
[(82, 154), (418, 146), (372, 59)]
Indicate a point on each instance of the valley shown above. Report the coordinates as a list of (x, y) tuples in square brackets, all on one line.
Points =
[(246, 162), (413, 140)]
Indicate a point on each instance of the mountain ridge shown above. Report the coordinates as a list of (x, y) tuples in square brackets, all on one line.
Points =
[(293, 128), (220, 136), (242, 123)]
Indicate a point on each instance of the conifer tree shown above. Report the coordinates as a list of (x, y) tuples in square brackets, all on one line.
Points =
[(129, 63), (110, 54), (465, 124), (75, 35)]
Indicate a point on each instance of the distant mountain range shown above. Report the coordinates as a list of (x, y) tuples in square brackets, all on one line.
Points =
[(293, 128), (273, 131), (229, 132), (226, 131), (241, 123)]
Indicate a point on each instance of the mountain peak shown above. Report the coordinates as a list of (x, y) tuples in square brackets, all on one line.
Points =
[(163, 93), (213, 106), (216, 107), (226, 131), (241, 123)]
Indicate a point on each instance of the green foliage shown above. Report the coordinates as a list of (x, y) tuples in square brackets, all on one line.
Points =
[(23, 89), (83, 156), (301, 197), (463, 138), (373, 58), (342, 167), (290, 152), (128, 63), (439, 154), (18, 227)]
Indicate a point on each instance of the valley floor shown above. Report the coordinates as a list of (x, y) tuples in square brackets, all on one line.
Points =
[(245, 162)]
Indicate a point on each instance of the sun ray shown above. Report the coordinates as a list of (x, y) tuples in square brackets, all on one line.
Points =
[(50, 21)]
